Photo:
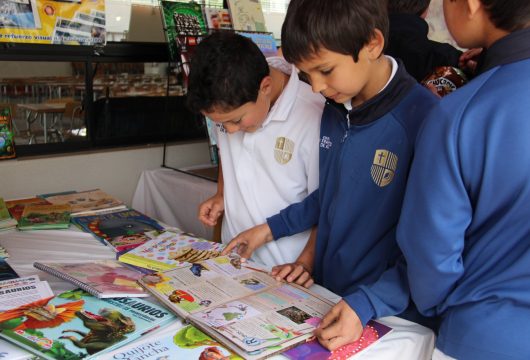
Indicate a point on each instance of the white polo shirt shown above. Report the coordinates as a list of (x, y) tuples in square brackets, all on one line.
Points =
[(273, 167)]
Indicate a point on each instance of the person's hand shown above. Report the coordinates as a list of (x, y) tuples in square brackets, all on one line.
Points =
[(296, 272), (249, 240), (469, 59), (211, 210), (339, 327)]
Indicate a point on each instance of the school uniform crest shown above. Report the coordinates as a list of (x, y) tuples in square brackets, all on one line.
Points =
[(383, 167), (283, 150)]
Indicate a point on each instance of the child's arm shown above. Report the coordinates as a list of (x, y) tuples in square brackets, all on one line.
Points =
[(339, 327), (211, 209), (300, 271), (249, 240)]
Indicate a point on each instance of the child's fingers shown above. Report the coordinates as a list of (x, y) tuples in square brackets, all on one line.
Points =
[(230, 246), (303, 279), (295, 273), (284, 272)]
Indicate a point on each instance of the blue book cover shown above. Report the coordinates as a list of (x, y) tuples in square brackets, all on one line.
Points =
[(75, 325), (122, 230)]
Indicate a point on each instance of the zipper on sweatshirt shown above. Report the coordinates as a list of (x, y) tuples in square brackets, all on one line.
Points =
[(347, 127)]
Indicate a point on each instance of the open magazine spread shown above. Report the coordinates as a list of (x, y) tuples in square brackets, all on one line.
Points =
[(240, 304)]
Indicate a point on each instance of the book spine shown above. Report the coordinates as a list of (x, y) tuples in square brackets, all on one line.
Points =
[(68, 278)]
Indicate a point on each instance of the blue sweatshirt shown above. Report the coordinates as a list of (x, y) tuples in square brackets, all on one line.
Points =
[(465, 225), (364, 163)]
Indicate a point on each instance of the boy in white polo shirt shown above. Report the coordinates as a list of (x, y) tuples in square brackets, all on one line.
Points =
[(267, 128)]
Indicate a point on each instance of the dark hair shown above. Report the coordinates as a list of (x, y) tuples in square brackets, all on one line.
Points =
[(342, 26), (416, 7), (509, 15), (225, 72)]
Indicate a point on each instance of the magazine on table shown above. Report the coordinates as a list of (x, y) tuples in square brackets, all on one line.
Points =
[(240, 304)]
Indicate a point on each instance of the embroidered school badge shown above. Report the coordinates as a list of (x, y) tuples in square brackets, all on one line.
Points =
[(283, 150), (383, 167)]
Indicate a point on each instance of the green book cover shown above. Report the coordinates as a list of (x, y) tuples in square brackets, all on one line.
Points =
[(4, 213), (35, 217), (7, 141)]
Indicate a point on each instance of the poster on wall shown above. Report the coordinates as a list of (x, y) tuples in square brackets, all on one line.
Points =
[(67, 22)]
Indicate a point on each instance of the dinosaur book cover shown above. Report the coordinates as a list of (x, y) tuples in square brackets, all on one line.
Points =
[(75, 325)]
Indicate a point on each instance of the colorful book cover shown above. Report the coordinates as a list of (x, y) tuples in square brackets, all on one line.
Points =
[(88, 202), (101, 278), (75, 325), (373, 331), (7, 140), (170, 250), (218, 18), (187, 343), (247, 15), (35, 217), (265, 42), (182, 19), (122, 230), (6, 221), (16, 207)]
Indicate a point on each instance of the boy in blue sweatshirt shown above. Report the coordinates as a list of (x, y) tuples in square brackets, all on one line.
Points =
[(464, 228), (367, 133)]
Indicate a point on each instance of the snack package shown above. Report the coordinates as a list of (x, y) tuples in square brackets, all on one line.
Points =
[(446, 79)]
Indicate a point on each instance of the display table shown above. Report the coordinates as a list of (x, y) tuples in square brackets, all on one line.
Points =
[(407, 341), (174, 197)]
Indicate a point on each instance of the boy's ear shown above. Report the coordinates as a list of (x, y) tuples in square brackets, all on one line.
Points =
[(473, 7), (376, 45), (266, 85)]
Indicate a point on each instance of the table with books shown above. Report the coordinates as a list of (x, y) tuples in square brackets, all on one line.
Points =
[(144, 328)]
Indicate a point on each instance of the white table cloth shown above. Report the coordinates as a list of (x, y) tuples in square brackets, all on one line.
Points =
[(174, 197)]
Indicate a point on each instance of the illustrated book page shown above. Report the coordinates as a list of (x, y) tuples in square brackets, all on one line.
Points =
[(36, 217), (16, 207), (240, 304), (247, 15), (101, 278), (20, 291)]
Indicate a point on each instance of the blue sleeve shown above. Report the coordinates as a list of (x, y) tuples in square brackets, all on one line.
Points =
[(436, 212), (389, 295), (296, 217)]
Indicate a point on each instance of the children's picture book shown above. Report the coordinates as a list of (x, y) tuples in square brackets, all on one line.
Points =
[(122, 230), (88, 202), (6, 221), (217, 18), (373, 331), (187, 343), (265, 42), (247, 15), (3, 253), (38, 217), (19, 291), (100, 278), (170, 250), (7, 138), (182, 20), (16, 206), (74, 325), (240, 304), (12, 352)]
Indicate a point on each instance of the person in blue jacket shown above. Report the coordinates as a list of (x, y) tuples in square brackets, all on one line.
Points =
[(464, 228), (367, 133)]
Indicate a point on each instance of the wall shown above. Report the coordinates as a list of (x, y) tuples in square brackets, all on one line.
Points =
[(27, 69), (116, 172)]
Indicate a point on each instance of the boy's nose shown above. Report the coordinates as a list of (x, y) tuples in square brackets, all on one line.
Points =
[(231, 128), (318, 86)]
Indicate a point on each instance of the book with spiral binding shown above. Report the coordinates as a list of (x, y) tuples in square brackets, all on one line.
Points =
[(101, 278)]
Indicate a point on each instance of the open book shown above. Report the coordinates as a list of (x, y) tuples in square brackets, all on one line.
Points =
[(241, 306)]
